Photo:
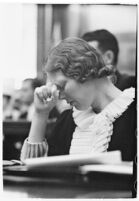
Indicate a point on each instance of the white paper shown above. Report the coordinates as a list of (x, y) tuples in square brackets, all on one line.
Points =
[(113, 157)]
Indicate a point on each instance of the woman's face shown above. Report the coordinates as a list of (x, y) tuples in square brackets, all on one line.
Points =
[(79, 95)]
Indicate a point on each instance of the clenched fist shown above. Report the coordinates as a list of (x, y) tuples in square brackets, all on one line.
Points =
[(45, 98)]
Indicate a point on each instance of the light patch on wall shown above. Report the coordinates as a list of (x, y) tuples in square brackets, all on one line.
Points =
[(115, 18), (19, 41)]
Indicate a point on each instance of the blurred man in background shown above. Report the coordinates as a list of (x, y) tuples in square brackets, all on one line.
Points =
[(27, 97), (107, 45), (20, 105), (6, 101), (12, 106)]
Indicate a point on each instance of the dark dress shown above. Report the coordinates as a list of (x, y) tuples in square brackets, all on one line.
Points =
[(123, 137)]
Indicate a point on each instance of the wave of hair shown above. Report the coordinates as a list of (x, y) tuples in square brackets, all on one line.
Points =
[(78, 60)]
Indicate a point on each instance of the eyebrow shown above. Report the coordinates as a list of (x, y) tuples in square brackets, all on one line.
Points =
[(59, 86)]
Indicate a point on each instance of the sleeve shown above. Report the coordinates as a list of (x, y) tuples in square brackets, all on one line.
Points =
[(56, 143), (33, 150)]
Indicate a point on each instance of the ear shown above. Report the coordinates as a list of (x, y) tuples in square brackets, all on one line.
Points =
[(108, 57)]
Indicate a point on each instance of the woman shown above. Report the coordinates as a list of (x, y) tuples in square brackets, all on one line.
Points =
[(102, 117)]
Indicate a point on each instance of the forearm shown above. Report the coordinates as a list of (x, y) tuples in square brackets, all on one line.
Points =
[(38, 128), (36, 145)]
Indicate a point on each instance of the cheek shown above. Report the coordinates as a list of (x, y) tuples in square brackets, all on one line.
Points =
[(71, 90)]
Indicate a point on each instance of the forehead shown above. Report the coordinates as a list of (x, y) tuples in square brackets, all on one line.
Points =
[(17, 94), (27, 84), (53, 70), (55, 77), (52, 63)]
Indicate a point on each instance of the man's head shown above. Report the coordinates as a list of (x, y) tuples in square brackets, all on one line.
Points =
[(27, 90), (105, 43)]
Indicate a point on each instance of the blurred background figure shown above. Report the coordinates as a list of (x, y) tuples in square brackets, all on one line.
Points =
[(27, 97), (12, 106), (6, 100), (19, 104), (107, 45)]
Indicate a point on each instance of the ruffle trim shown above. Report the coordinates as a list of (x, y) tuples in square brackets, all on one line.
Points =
[(116, 108), (93, 131)]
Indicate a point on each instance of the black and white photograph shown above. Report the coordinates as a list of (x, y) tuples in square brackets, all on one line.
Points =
[(69, 100)]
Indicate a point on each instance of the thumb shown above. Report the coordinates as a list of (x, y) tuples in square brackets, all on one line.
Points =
[(55, 93)]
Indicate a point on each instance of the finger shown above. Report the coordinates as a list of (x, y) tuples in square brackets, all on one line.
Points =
[(55, 92), (41, 93), (38, 93), (49, 84), (45, 93), (50, 88)]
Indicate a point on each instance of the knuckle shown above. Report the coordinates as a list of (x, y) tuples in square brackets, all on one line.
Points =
[(36, 90)]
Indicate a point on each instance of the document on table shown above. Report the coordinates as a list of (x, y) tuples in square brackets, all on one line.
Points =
[(108, 162), (124, 168), (113, 157)]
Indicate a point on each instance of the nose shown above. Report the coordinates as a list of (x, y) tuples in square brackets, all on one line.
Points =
[(62, 95)]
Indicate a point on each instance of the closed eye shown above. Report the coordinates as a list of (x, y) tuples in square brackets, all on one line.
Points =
[(61, 88)]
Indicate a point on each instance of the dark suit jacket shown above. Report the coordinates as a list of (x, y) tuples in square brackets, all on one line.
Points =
[(125, 81)]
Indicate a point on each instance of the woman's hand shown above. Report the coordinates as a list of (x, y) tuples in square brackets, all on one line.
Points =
[(45, 98)]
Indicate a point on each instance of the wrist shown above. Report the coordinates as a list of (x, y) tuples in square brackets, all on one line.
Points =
[(41, 114), (38, 127)]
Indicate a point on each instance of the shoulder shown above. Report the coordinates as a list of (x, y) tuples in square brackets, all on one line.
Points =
[(128, 118), (124, 133), (125, 81), (131, 110)]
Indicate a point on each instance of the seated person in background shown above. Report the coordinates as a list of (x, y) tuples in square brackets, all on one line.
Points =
[(13, 110), (77, 73), (27, 97), (6, 101), (107, 45)]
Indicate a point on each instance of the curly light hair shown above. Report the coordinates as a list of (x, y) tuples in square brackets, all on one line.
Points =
[(77, 60)]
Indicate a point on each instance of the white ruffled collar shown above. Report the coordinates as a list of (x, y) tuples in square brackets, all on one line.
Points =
[(119, 105), (111, 111), (93, 131)]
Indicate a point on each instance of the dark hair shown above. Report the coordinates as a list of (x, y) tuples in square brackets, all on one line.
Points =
[(34, 82), (107, 41), (77, 59)]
